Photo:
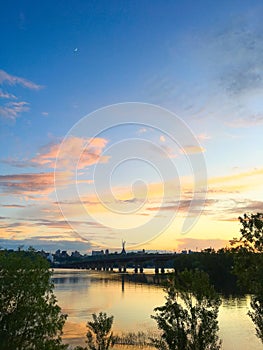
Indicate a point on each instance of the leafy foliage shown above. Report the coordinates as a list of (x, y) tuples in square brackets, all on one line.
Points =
[(248, 265), (257, 315), (99, 335), (188, 320), (252, 231), (29, 315), (218, 265)]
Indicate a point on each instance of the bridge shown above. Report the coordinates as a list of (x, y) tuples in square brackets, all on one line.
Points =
[(138, 261)]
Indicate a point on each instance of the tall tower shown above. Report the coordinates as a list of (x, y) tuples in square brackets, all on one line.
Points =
[(123, 247)]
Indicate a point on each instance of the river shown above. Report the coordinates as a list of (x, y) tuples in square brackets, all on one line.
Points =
[(81, 293)]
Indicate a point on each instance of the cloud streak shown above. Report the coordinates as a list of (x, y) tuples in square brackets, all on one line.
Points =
[(12, 110), (73, 152), (30, 185), (6, 78)]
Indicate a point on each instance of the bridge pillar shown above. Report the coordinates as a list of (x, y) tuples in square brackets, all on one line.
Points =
[(119, 268), (136, 269), (156, 270), (162, 270), (141, 269), (124, 268), (111, 268)]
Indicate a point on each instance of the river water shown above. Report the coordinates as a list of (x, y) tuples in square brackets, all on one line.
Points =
[(81, 293)]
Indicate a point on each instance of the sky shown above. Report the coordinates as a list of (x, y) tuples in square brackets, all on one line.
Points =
[(135, 121)]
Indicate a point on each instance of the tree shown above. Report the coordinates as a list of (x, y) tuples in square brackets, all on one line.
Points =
[(188, 320), (29, 315), (99, 335), (256, 315), (248, 265), (252, 231)]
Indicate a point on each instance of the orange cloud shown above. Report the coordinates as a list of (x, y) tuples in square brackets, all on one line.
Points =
[(72, 153), (30, 185), (192, 149), (235, 177), (198, 244)]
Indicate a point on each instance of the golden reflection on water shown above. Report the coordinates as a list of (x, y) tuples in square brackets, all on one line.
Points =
[(81, 293)]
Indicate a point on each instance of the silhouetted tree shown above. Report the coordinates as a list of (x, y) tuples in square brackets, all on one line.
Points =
[(99, 335), (30, 318), (251, 232), (249, 265), (188, 320)]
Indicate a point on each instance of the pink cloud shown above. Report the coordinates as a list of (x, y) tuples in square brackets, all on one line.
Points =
[(203, 137), (73, 152), (30, 185), (14, 80)]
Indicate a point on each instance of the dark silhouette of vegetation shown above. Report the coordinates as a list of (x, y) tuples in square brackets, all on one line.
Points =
[(30, 318), (188, 320), (252, 231), (218, 265), (139, 338), (248, 265), (99, 335)]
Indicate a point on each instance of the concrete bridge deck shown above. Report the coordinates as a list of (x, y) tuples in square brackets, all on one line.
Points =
[(121, 261)]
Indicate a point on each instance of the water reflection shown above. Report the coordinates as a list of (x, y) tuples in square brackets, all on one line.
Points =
[(81, 293)]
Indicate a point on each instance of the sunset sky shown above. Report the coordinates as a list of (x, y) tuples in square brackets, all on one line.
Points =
[(130, 171)]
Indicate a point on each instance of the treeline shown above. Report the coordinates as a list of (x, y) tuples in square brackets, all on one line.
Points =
[(218, 265)]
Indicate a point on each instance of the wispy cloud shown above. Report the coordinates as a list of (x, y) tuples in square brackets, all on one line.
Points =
[(13, 206), (203, 137), (7, 95), (12, 110), (192, 149), (73, 152), (235, 177), (9, 79), (30, 185), (47, 243), (252, 120), (198, 244), (184, 205)]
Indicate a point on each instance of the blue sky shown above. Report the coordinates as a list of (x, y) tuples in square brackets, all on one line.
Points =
[(60, 61)]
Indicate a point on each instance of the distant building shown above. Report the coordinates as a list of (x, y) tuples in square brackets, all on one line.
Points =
[(76, 254), (58, 252), (97, 252), (64, 254), (50, 258)]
